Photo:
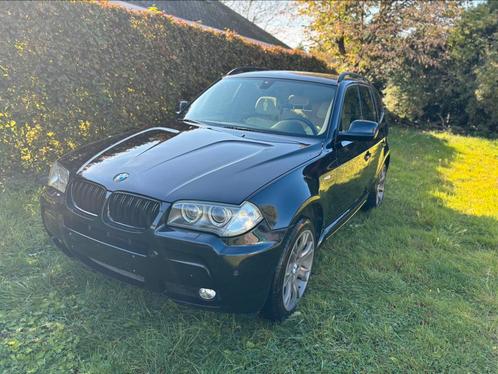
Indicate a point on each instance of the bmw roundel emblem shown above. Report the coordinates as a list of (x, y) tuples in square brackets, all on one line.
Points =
[(121, 177)]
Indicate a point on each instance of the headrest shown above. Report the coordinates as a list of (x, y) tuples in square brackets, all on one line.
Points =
[(266, 105), (296, 100)]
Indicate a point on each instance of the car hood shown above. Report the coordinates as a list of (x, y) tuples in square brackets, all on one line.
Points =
[(200, 163)]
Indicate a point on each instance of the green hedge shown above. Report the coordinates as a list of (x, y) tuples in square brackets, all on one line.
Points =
[(74, 72)]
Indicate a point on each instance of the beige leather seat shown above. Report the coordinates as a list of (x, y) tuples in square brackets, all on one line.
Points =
[(320, 114), (266, 112)]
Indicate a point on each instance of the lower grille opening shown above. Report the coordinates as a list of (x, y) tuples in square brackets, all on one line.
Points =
[(131, 210)]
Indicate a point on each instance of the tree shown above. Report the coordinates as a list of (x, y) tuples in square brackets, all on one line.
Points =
[(472, 89), (379, 37)]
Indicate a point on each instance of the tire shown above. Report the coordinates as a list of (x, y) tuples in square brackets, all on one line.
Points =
[(376, 195), (293, 273)]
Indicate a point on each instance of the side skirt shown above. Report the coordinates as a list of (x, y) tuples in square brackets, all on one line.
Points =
[(341, 221)]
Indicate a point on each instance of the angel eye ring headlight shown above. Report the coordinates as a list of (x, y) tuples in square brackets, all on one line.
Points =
[(222, 219), (219, 215), (191, 213)]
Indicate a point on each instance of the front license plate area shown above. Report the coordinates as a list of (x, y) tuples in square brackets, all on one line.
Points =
[(112, 258)]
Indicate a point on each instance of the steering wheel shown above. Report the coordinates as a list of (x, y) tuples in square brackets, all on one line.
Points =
[(306, 121)]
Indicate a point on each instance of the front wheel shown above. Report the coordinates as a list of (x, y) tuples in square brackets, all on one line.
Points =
[(376, 195), (293, 272)]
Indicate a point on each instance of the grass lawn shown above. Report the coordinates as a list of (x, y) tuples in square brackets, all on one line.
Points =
[(412, 286)]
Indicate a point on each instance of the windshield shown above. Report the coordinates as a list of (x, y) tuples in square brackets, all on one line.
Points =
[(262, 104)]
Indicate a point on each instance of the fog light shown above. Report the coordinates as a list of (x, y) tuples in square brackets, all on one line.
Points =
[(207, 293)]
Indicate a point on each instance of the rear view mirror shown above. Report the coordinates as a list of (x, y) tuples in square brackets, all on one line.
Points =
[(182, 106), (360, 130)]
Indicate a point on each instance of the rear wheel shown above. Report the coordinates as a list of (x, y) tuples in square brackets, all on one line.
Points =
[(293, 273), (376, 195)]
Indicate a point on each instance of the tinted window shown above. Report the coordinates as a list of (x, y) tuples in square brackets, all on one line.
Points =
[(367, 105), (351, 109), (378, 103), (263, 104)]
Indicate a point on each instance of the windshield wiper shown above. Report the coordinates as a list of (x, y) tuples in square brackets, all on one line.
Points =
[(223, 125), (232, 126), (192, 121), (241, 128)]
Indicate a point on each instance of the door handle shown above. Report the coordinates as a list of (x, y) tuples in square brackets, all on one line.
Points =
[(367, 155)]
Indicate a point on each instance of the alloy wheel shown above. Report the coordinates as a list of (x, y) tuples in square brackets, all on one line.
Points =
[(379, 196), (298, 269)]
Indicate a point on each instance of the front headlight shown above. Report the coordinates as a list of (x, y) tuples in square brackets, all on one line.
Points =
[(221, 219), (58, 177)]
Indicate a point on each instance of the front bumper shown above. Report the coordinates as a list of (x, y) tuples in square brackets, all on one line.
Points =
[(173, 261)]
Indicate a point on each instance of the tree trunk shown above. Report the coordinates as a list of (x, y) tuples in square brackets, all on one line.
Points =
[(340, 45)]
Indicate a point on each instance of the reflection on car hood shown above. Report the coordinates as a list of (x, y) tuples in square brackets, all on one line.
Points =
[(198, 163)]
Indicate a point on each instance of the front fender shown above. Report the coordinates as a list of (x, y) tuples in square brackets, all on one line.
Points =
[(281, 201)]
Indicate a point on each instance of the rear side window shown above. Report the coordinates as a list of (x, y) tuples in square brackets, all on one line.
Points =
[(351, 109), (367, 104)]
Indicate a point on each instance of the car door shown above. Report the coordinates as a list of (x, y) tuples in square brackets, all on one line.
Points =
[(373, 148), (342, 184)]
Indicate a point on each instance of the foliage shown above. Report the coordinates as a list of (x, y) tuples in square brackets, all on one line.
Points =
[(472, 87), (487, 88), (72, 72), (436, 61), (417, 295), (461, 91), (379, 37), (414, 93)]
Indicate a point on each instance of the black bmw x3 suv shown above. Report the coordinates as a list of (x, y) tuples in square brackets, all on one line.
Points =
[(225, 207)]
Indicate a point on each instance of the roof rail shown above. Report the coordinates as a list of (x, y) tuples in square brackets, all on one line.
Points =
[(244, 69), (349, 74)]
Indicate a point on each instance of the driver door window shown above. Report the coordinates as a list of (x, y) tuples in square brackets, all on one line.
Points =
[(367, 104), (351, 109)]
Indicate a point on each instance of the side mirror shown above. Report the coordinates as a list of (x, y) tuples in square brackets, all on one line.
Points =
[(182, 106), (360, 130)]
